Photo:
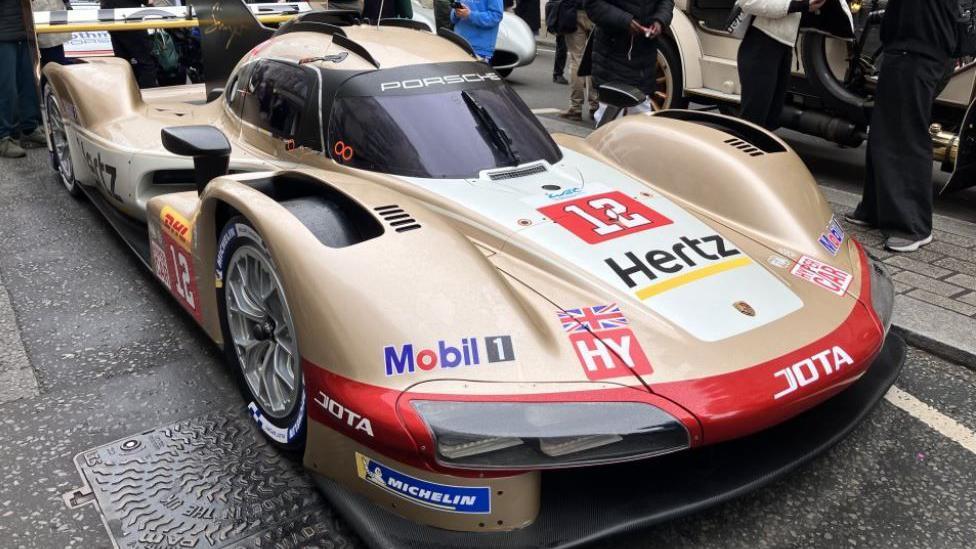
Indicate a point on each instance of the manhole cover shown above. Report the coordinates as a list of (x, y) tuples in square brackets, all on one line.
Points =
[(205, 482)]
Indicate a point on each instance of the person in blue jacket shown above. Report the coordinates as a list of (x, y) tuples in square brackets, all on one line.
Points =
[(477, 22)]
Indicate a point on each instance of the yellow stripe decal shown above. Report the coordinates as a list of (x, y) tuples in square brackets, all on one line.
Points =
[(689, 277), (140, 25)]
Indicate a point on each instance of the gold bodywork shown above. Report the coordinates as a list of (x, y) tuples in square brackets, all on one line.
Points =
[(418, 285)]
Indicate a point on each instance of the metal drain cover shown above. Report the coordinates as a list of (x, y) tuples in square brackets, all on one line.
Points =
[(206, 482)]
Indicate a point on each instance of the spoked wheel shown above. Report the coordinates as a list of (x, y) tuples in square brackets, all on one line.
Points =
[(59, 141), (260, 335), (669, 92)]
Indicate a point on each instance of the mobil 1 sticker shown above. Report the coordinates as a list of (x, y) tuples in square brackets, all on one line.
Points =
[(499, 349)]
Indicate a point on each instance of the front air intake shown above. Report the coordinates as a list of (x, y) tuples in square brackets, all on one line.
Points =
[(516, 173)]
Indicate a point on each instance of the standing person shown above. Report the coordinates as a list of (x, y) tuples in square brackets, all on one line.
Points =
[(765, 56), (559, 62), (442, 14), (20, 113), (477, 22), (51, 46), (919, 38), (560, 20), (529, 11), (575, 45), (134, 46), (391, 9), (625, 43)]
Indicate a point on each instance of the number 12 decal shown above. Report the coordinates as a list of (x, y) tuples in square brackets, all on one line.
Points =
[(604, 216)]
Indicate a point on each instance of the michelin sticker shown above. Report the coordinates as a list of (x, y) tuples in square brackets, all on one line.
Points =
[(238, 229), (279, 434), (455, 499)]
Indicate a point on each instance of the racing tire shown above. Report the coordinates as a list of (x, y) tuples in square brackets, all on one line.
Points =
[(58, 137), (669, 79), (260, 342)]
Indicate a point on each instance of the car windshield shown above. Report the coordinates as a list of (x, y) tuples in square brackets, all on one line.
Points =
[(454, 123)]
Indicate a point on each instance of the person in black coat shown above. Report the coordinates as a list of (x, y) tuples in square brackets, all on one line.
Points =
[(625, 42), (530, 12), (919, 38), (134, 46)]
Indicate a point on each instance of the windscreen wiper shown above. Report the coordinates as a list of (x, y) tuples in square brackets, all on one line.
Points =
[(498, 136)]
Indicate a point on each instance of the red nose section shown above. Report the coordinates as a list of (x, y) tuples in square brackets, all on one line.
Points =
[(740, 403)]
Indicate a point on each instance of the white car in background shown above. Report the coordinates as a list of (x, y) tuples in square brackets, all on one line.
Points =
[(515, 46)]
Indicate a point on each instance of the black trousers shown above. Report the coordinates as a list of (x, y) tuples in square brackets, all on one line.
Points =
[(764, 74), (898, 190), (136, 48), (559, 64)]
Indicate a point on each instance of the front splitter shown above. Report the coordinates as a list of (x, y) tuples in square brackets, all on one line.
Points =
[(639, 494)]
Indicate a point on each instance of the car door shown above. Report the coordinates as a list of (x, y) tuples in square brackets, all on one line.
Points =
[(279, 116)]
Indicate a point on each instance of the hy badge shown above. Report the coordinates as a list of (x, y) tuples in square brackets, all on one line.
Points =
[(603, 341), (443, 497)]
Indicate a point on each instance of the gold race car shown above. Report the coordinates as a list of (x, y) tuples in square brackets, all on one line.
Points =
[(476, 332)]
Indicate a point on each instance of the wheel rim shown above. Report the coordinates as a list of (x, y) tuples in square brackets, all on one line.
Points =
[(262, 331), (664, 84), (59, 140)]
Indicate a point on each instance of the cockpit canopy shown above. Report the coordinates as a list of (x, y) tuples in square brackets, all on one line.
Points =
[(437, 120)]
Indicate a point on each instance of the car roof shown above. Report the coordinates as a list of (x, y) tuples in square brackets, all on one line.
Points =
[(388, 46)]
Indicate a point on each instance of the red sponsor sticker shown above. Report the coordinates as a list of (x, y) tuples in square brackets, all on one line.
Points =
[(610, 353), (604, 344), (603, 217), (181, 279), (829, 278)]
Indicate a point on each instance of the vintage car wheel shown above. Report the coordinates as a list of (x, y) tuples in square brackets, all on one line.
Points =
[(61, 157), (260, 341), (670, 92)]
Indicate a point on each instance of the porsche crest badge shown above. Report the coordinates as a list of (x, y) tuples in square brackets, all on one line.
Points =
[(744, 308)]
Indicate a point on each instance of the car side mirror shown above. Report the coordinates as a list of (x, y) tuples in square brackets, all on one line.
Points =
[(619, 96), (206, 144)]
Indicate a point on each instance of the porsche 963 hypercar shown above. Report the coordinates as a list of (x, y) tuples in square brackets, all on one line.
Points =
[(466, 324)]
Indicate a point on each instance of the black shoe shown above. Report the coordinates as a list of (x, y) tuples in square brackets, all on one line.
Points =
[(570, 115), (559, 79), (853, 220)]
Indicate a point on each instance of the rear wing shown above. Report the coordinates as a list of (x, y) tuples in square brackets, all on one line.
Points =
[(228, 28)]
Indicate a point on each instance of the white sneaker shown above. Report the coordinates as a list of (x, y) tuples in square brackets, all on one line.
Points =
[(899, 244)]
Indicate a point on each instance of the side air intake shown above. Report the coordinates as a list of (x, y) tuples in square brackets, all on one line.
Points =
[(744, 147), (398, 220)]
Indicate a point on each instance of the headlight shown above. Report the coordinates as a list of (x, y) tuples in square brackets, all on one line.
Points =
[(521, 435), (882, 292)]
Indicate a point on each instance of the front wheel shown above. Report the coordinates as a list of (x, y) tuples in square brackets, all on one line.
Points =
[(58, 136), (669, 83), (260, 342)]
